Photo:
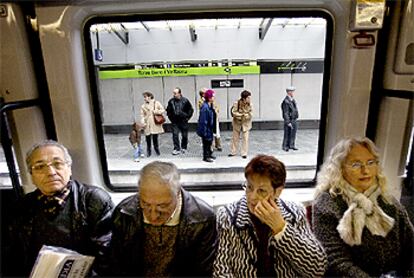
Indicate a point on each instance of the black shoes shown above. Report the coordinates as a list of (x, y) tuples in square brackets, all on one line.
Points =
[(286, 150), (294, 148), (208, 159), (212, 157), (243, 156)]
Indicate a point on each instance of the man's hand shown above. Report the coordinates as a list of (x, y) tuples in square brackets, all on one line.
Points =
[(290, 125)]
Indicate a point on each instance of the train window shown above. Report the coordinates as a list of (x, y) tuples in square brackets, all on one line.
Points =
[(409, 161), (5, 180), (262, 53), (4, 172)]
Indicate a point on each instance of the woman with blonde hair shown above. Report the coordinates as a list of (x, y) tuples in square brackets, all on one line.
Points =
[(364, 229)]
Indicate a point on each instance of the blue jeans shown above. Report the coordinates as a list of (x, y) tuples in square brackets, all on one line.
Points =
[(138, 151)]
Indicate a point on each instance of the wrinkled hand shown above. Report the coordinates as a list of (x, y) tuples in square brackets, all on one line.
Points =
[(269, 213), (290, 125), (135, 145)]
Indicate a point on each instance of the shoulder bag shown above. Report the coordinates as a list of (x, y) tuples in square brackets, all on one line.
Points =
[(158, 119)]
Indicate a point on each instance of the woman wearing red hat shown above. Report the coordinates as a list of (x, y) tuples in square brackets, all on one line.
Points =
[(206, 125)]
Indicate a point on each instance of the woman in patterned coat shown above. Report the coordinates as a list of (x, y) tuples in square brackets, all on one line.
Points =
[(263, 236)]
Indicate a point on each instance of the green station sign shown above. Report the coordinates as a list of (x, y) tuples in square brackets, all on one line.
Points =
[(185, 71)]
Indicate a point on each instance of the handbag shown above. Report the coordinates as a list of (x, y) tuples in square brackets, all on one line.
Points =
[(158, 119)]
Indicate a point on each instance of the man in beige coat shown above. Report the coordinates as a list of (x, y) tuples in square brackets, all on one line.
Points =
[(242, 114)]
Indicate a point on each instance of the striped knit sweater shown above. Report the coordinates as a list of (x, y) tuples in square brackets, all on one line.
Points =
[(295, 252)]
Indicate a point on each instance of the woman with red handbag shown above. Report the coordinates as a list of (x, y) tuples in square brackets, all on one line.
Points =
[(153, 127)]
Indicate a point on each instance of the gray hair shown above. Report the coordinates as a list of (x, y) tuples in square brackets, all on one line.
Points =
[(46, 143), (330, 176), (165, 171)]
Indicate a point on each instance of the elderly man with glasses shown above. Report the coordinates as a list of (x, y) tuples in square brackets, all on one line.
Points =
[(163, 231), (60, 212)]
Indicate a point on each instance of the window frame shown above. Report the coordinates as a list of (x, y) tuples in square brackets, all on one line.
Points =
[(94, 79)]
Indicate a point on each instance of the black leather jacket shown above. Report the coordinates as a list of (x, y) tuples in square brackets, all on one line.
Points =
[(195, 246), (179, 110), (90, 227)]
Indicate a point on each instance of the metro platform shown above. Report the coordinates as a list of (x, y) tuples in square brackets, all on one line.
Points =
[(208, 180)]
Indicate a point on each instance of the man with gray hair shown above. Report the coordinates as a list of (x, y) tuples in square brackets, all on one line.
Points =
[(290, 115), (60, 212), (163, 230)]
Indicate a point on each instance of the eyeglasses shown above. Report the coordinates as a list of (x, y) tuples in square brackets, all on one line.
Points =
[(261, 192), (159, 208), (56, 164), (357, 165)]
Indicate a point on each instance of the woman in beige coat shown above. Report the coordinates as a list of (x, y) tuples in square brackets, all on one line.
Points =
[(150, 108), (242, 114)]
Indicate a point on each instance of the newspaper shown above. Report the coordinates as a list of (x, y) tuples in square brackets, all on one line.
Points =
[(58, 262)]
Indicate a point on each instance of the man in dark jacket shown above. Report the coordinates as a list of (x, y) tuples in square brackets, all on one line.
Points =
[(60, 212), (163, 231), (290, 115), (179, 111)]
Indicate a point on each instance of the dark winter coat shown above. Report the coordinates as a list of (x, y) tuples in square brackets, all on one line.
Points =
[(290, 111), (376, 255), (195, 245), (206, 122), (179, 110), (88, 219)]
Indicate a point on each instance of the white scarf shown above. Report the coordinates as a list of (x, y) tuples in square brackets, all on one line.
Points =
[(363, 211)]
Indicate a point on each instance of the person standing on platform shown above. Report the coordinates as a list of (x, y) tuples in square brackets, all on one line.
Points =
[(201, 99), (242, 114), (135, 140), (290, 115), (150, 108), (216, 128), (179, 111), (206, 125)]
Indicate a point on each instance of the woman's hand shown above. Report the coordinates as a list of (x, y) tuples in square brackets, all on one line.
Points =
[(269, 213)]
